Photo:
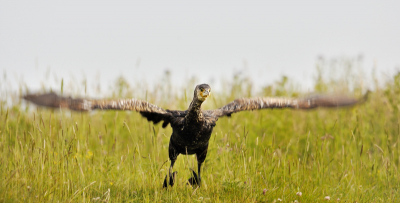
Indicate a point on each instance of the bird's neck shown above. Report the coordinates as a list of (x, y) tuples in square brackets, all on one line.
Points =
[(194, 112)]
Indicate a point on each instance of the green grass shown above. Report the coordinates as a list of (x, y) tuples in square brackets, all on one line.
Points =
[(52, 155)]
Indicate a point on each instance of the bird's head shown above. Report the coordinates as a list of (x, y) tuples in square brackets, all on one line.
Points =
[(202, 92)]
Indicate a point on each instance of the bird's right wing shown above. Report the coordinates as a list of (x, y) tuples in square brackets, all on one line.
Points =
[(150, 111)]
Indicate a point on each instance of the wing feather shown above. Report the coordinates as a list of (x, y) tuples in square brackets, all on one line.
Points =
[(150, 111), (55, 101), (249, 104)]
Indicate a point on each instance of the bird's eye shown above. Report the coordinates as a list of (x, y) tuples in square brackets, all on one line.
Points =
[(201, 89)]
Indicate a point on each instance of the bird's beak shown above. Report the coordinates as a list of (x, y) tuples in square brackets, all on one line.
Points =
[(205, 93)]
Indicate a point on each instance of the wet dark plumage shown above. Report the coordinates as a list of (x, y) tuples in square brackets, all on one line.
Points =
[(192, 128)]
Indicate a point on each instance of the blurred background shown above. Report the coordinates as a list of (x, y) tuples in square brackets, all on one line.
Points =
[(89, 45), (158, 51)]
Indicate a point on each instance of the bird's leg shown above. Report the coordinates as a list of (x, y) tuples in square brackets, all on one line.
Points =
[(198, 173), (171, 175), (196, 179), (173, 155)]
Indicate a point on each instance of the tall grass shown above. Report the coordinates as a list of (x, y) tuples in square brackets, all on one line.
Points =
[(349, 154)]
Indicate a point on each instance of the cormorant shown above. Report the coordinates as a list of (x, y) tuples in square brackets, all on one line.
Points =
[(192, 128)]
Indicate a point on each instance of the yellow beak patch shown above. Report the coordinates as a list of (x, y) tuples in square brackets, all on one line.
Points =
[(205, 93)]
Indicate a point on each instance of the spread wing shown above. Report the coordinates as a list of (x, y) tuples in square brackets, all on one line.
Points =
[(146, 109), (244, 104)]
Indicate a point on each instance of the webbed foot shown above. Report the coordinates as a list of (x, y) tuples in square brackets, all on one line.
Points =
[(195, 179), (171, 180)]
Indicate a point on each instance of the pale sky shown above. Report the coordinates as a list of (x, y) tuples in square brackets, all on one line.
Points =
[(101, 40)]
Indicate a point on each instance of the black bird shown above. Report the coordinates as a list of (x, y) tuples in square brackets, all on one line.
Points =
[(192, 128)]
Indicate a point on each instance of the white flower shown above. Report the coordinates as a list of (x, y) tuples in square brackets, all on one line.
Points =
[(295, 201), (327, 198), (279, 200), (299, 194)]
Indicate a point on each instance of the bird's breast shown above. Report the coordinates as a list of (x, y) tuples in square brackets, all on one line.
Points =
[(192, 136)]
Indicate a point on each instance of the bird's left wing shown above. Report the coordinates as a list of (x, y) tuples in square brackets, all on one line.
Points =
[(245, 104)]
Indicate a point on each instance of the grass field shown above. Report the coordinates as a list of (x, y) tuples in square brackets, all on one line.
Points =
[(348, 155)]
